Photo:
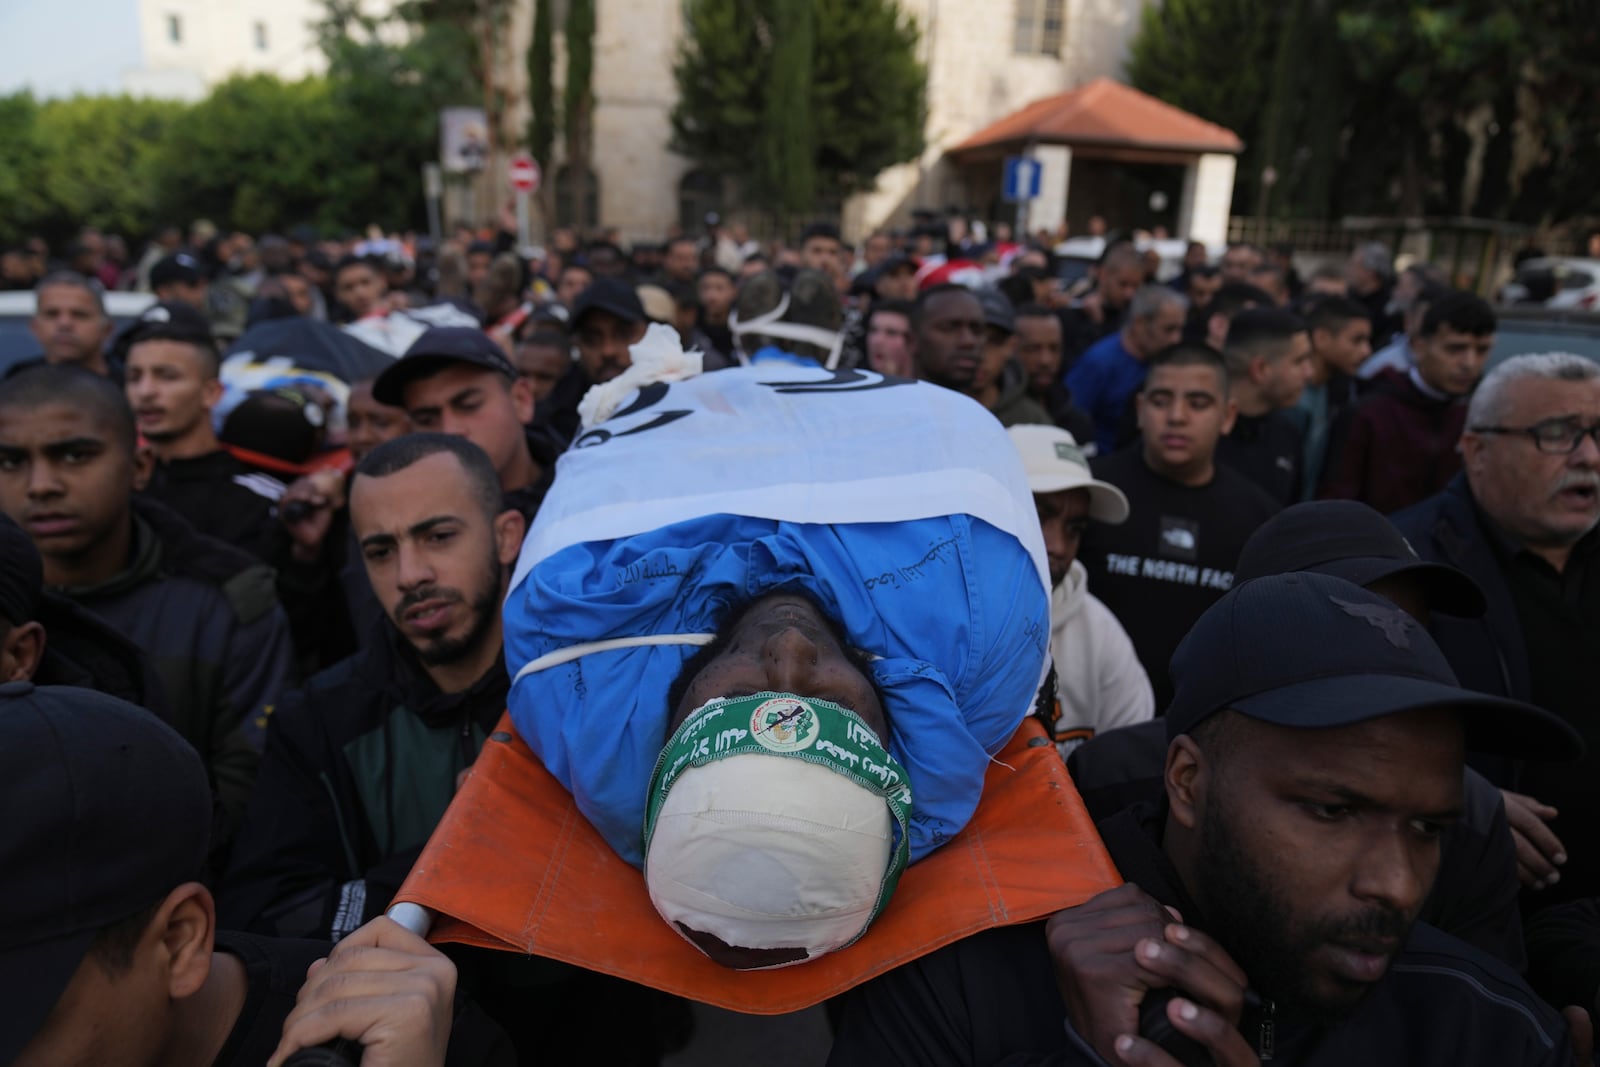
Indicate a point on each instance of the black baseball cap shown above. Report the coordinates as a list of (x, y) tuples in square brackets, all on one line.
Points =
[(180, 267), (1313, 651), (21, 574), (170, 320), (285, 423), (997, 310), (117, 814), (612, 295), (435, 348), (1351, 540)]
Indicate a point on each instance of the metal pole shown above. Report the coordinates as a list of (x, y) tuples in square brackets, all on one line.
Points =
[(523, 235), (432, 191)]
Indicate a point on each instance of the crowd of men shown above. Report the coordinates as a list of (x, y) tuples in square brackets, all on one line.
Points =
[(1314, 571)]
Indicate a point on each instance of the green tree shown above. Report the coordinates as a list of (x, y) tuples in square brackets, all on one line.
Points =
[(578, 92), (23, 178), (475, 30), (80, 161), (1440, 107), (798, 139), (785, 171), (541, 85), (258, 153), (1491, 110), (1212, 58), (386, 98)]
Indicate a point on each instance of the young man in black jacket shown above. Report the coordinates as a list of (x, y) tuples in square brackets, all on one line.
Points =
[(1189, 515), (203, 612), (360, 765), (173, 385), (1269, 363), (1274, 891)]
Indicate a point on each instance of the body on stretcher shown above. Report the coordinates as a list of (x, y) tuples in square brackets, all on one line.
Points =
[(902, 511), (514, 866)]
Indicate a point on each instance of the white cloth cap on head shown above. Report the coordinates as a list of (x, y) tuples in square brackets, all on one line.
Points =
[(765, 852), (1053, 462)]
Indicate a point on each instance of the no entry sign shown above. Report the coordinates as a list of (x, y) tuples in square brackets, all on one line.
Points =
[(524, 173)]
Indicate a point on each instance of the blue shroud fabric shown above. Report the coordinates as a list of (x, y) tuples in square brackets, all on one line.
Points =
[(953, 606)]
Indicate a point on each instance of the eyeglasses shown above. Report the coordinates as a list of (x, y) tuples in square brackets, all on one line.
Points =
[(1556, 437)]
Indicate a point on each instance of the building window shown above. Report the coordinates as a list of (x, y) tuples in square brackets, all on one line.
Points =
[(577, 197), (699, 192), (1038, 27), (174, 29), (260, 32)]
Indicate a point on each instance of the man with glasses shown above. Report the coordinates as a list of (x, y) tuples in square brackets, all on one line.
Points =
[(1521, 520)]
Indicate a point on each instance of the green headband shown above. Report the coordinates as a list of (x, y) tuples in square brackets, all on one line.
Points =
[(782, 724)]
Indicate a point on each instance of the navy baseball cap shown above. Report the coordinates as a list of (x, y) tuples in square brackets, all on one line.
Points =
[(1351, 540), (114, 813), (437, 347), (610, 295), (1312, 651)]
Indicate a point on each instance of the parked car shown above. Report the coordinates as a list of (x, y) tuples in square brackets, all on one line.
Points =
[(1544, 329), (17, 344), (1076, 255), (1555, 282)]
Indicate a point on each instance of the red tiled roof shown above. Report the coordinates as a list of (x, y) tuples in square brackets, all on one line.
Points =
[(1106, 112)]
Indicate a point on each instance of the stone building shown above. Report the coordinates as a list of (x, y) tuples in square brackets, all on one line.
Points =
[(986, 59), (163, 48)]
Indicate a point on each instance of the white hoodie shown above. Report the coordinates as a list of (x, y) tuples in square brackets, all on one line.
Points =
[(1099, 680)]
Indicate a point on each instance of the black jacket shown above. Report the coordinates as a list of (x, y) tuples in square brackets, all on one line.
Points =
[(992, 999), (1487, 654), (205, 615), (1564, 953), (84, 650), (359, 766), (1474, 895), (224, 498)]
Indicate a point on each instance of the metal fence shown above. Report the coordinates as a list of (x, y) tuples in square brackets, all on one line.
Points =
[(1474, 254)]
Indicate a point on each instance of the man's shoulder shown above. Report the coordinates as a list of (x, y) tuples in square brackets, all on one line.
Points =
[(1421, 522), (1111, 348), (1440, 980), (1123, 465), (1243, 494), (1285, 424), (275, 969), (344, 696), (1102, 352), (245, 583)]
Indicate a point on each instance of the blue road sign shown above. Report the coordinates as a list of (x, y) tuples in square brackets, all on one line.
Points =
[(1022, 178)]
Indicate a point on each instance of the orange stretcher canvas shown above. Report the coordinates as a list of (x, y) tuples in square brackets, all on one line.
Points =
[(514, 866)]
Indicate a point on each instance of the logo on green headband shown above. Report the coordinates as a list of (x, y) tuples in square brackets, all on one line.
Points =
[(784, 725)]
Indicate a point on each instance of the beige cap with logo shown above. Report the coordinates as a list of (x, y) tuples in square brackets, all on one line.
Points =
[(1054, 462)]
